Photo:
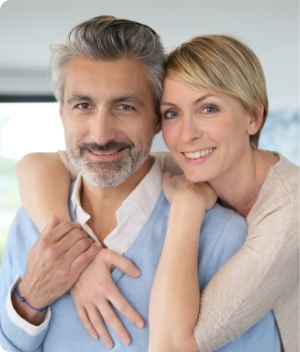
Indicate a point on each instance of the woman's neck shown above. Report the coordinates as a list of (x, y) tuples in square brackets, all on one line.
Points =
[(239, 188)]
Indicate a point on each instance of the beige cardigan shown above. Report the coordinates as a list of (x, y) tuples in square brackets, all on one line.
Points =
[(264, 274)]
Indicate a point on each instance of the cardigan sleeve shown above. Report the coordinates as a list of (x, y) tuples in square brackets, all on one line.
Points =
[(263, 273)]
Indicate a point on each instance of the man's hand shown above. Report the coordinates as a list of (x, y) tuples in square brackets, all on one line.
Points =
[(54, 263), (94, 290)]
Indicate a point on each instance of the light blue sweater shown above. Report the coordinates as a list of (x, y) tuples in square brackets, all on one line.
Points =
[(222, 234)]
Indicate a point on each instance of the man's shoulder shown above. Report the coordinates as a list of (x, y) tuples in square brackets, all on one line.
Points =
[(222, 234), (223, 231), (226, 221)]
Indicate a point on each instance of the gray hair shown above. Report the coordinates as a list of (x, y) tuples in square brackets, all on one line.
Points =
[(108, 38)]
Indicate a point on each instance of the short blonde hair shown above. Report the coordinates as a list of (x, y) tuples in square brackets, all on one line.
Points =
[(222, 64)]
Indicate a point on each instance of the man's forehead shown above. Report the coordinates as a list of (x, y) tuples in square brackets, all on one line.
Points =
[(113, 79)]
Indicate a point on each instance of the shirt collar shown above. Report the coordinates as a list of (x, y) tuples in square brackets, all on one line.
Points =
[(143, 197)]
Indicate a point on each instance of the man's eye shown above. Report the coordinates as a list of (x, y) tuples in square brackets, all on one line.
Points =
[(210, 109), (83, 106), (171, 114), (125, 107)]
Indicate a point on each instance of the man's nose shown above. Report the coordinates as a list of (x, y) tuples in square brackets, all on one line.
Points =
[(190, 128), (103, 127)]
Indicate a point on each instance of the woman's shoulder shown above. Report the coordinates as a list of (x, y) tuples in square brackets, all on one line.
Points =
[(283, 177), (279, 195)]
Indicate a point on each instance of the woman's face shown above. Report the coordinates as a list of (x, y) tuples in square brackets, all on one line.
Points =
[(206, 132)]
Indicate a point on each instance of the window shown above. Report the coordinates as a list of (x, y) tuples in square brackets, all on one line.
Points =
[(24, 128)]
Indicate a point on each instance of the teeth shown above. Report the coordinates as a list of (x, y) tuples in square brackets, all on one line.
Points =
[(199, 154), (102, 153)]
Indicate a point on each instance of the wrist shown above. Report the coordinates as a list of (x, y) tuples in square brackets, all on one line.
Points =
[(189, 200), (28, 293), (22, 299), (25, 312)]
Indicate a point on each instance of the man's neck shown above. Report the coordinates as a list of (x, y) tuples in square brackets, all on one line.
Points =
[(102, 203)]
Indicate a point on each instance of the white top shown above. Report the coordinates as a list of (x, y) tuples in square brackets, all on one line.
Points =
[(131, 217)]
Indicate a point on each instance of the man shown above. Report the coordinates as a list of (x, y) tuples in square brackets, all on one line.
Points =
[(108, 80)]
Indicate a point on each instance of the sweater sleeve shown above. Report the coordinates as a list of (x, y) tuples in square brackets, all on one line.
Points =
[(13, 337), (262, 274)]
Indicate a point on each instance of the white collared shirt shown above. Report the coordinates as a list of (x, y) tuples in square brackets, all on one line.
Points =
[(131, 217)]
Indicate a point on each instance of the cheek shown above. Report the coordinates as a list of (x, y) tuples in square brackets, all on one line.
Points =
[(169, 136)]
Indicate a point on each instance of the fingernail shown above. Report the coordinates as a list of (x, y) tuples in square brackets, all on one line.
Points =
[(136, 272), (125, 341), (109, 344), (140, 324)]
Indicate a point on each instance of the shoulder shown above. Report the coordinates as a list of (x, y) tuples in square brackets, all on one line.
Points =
[(223, 232), (278, 199), (222, 222), (23, 231)]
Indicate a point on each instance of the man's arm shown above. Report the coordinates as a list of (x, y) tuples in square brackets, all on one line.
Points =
[(55, 262)]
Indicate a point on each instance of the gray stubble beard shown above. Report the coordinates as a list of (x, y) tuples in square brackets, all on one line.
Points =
[(108, 174)]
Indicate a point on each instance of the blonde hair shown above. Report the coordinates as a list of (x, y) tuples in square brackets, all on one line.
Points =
[(222, 64)]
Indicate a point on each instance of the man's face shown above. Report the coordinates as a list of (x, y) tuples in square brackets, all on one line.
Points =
[(108, 117)]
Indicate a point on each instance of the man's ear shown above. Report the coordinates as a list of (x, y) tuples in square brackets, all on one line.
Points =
[(256, 118), (157, 127), (60, 111)]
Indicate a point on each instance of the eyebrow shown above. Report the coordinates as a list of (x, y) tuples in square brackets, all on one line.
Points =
[(79, 97), (127, 98), (196, 101)]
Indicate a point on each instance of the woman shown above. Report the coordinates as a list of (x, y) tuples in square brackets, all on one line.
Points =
[(213, 108)]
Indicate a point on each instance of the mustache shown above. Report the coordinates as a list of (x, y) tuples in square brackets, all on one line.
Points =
[(105, 147)]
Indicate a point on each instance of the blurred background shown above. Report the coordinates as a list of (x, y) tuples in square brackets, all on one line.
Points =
[(29, 119)]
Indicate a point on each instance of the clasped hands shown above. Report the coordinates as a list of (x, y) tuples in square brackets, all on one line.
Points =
[(65, 259)]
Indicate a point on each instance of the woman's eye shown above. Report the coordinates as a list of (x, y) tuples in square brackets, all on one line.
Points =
[(171, 114), (210, 109), (83, 106)]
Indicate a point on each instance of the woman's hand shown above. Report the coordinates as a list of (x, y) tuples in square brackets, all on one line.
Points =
[(94, 291), (179, 188)]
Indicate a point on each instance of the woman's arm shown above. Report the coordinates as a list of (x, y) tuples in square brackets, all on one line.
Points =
[(175, 296), (262, 276), (44, 184)]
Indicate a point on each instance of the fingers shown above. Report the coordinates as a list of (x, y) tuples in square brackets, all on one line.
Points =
[(53, 222), (83, 316), (54, 231), (124, 264), (124, 307), (111, 318), (83, 257)]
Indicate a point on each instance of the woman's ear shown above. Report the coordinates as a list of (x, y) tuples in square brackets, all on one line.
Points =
[(256, 118)]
